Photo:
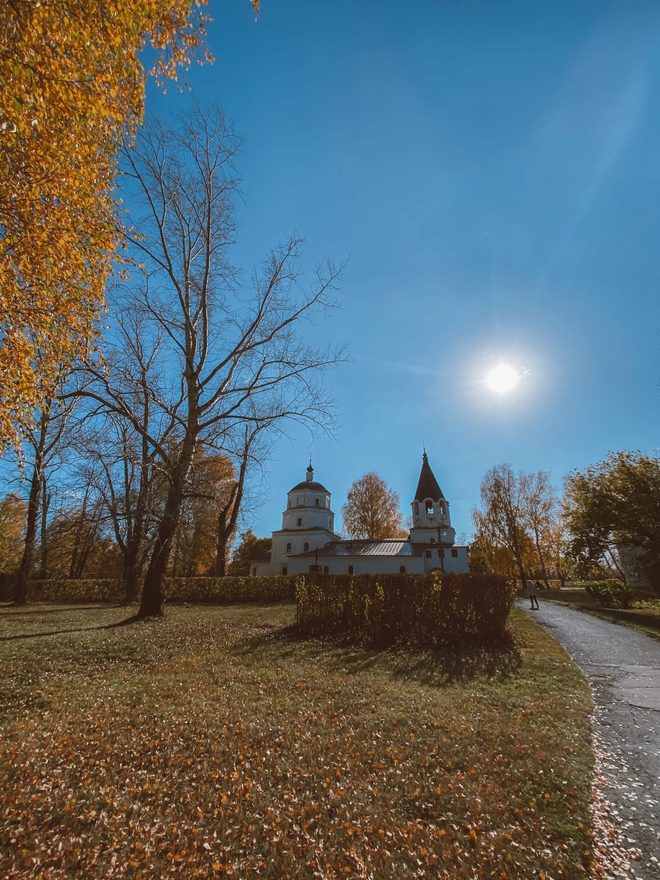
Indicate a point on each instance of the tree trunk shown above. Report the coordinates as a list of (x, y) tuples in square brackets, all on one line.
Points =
[(25, 567), (131, 570), (544, 572), (220, 566), (153, 592), (43, 537)]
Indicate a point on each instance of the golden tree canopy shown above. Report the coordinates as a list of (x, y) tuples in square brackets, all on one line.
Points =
[(72, 88), (372, 510)]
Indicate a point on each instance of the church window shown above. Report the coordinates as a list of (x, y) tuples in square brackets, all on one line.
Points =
[(284, 569), (433, 540), (402, 569), (288, 548), (441, 553), (350, 569), (299, 521), (454, 552), (429, 508), (326, 569), (306, 547), (427, 553), (317, 501)]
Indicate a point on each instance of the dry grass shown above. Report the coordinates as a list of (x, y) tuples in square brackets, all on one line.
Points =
[(212, 743)]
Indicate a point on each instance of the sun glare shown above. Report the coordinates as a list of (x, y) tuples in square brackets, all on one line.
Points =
[(502, 378)]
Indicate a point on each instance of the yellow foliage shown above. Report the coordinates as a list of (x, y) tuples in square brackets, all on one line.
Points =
[(72, 89)]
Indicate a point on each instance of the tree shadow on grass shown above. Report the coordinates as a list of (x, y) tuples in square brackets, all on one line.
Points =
[(77, 629), (435, 668), (40, 610)]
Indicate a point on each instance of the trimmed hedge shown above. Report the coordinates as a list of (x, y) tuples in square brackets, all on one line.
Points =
[(231, 590), (220, 591), (431, 611), (610, 593)]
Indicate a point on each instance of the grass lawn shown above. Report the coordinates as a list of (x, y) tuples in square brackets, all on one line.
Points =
[(213, 743), (644, 616)]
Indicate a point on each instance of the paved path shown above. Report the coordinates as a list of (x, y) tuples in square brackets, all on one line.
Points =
[(623, 667)]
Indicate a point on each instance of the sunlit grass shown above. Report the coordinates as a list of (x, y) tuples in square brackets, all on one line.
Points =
[(214, 743)]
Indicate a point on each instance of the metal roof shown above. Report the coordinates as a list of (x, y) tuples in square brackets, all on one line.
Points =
[(390, 547), (310, 486)]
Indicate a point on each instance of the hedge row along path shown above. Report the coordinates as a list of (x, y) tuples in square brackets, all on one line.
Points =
[(623, 668)]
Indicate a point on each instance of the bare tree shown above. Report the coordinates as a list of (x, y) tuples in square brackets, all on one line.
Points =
[(227, 359), (42, 444)]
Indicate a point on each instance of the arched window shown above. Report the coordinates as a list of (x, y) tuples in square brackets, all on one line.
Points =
[(317, 502), (284, 569), (429, 508), (299, 521), (288, 548), (326, 569), (306, 547), (402, 569), (350, 569)]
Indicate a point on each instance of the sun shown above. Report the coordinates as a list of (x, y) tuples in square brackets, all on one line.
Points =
[(502, 378)]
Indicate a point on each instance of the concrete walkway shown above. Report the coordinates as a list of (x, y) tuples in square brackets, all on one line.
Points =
[(623, 668)]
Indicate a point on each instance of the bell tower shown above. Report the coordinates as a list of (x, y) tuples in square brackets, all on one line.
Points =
[(430, 511)]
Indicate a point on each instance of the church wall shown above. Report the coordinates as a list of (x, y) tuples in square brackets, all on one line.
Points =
[(311, 517)]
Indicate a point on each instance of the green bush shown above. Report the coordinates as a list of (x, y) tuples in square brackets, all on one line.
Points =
[(432, 611), (79, 590), (221, 591), (610, 593), (231, 590)]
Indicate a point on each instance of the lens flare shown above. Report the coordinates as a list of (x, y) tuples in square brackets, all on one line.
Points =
[(502, 378)]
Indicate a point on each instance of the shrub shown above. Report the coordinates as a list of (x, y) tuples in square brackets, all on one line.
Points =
[(220, 591), (610, 593), (79, 590), (231, 590), (433, 611)]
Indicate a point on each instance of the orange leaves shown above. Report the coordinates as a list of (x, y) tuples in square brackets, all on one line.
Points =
[(73, 88), (185, 749)]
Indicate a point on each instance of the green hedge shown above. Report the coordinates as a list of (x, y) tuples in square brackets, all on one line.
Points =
[(221, 591), (610, 593), (231, 590), (432, 611)]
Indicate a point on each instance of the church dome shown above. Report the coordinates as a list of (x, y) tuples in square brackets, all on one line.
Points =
[(309, 484)]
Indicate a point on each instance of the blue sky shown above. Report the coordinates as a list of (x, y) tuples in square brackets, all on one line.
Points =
[(491, 173)]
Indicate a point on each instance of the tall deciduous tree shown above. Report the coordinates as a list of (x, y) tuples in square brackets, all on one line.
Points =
[(13, 511), (372, 509), (229, 359), (42, 444), (501, 521), (613, 504), (249, 549), (72, 88)]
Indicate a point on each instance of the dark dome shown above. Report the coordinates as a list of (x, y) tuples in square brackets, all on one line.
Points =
[(310, 485)]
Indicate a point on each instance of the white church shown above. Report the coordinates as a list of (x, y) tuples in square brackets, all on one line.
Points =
[(307, 541)]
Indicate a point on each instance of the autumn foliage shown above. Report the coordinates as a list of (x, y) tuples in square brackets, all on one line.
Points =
[(213, 744), (72, 89)]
